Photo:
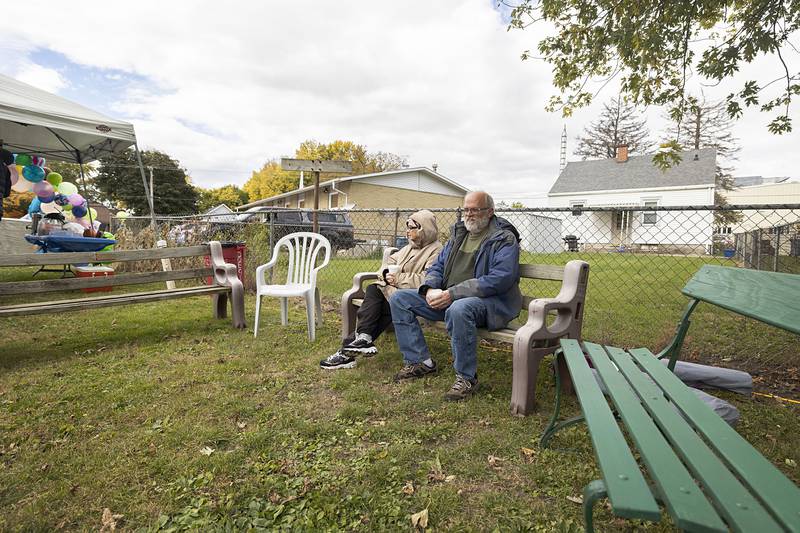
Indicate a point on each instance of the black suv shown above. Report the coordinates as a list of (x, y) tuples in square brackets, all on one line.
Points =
[(336, 227)]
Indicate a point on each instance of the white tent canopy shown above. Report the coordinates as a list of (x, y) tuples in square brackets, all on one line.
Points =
[(37, 122)]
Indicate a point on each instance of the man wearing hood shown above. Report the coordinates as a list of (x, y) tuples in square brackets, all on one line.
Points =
[(374, 315), (473, 284)]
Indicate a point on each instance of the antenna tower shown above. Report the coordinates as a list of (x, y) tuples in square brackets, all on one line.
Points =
[(562, 162)]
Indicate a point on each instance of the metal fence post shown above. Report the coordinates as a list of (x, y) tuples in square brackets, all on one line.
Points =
[(777, 249), (396, 219), (271, 240)]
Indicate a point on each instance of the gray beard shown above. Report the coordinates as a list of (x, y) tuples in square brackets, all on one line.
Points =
[(476, 226)]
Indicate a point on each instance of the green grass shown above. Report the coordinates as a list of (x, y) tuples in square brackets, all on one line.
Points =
[(177, 421)]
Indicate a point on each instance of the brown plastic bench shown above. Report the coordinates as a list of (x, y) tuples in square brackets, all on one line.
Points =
[(224, 282), (532, 340)]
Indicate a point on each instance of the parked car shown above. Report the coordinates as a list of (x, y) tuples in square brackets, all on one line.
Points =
[(336, 227)]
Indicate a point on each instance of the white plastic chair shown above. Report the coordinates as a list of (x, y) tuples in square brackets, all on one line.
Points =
[(301, 279)]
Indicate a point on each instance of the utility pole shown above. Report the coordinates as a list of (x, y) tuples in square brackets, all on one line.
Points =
[(152, 196), (563, 159)]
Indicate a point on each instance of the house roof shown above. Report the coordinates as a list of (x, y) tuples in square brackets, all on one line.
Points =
[(424, 170), (697, 167)]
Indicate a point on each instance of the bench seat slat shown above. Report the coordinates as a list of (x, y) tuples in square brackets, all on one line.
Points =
[(71, 258), (683, 498), (106, 301), (776, 492), (627, 489), (136, 278), (734, 501)]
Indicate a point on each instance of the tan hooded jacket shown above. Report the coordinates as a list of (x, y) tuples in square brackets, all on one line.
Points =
[(414, 258)]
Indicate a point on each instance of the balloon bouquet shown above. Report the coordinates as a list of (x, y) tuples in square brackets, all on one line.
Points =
[(53, 194)]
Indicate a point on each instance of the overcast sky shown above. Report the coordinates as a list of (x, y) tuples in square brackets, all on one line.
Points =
[(225, 86)]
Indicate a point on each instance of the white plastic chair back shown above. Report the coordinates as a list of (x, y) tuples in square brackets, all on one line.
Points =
[(304, 249)]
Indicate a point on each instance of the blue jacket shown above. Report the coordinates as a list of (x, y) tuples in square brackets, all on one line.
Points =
[(496, 271)]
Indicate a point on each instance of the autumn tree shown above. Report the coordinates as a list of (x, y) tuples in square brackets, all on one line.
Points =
[(654, 47), (119, 181), (619, 123), (230, 195), (270, 180)]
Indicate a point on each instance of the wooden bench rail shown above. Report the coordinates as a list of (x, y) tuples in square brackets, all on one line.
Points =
[(707, 476), (531, 341), (225, 283)]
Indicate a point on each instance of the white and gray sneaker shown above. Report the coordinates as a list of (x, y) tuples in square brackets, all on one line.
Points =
[(337, 360), (362, 344)]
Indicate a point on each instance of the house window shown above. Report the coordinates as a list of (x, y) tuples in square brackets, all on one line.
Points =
[(576, 208), (650, 218), (724, 230), (333, 200)]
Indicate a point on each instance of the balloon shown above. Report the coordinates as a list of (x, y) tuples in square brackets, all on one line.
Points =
[(38, 161), (50, 207), (14, 174), (23, 160), (22, 185), (54, 178), (44, 190), (78, 211), (76, 199), (61, 200), (92, 213), (66, 188), (34, 207), (122, 215), (67, 206), (33, 173)]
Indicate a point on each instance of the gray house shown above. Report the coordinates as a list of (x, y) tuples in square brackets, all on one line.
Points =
[(626, 182)]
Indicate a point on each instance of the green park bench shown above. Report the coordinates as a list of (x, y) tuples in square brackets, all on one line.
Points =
[(707, 476)]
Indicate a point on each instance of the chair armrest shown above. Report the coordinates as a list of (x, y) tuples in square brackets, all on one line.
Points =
[(224, 273)]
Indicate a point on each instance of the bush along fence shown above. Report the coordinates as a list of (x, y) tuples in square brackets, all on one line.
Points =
[(640, 257)]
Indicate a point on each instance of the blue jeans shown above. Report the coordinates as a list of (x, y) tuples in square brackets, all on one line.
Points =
[(462, 319)]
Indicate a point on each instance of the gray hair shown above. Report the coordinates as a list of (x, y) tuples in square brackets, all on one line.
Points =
[(489, 201)]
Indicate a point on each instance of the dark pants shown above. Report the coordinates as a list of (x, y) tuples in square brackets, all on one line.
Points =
[(374, 315)]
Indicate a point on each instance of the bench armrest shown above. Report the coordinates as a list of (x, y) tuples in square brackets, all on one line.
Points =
[(357, 291), (568, 306)]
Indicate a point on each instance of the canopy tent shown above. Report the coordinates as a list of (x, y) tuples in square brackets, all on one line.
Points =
[(37, 122)]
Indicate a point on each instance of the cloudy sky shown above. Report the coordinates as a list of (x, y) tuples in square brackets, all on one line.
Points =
[(225, 86)]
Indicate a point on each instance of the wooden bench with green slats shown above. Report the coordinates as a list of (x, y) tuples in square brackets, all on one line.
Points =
[(705, 474)]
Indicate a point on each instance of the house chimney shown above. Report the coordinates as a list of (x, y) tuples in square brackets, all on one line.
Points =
[(622, 153), (435, 166)]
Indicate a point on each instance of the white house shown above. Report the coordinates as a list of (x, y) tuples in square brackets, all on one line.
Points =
[(624, 183), (220, 213)]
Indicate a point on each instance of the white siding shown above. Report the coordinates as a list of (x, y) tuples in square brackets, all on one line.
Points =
[(672, 227), (538, 234), (415, 181)]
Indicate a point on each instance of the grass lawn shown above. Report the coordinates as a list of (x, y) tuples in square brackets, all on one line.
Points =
[(177, 421)]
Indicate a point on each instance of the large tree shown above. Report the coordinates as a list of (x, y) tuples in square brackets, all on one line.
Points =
[(230, 195), (654, 46), (619, 123), (119, 181), (270, 180)]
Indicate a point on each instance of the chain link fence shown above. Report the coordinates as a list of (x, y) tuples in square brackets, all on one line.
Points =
[(640, 259)]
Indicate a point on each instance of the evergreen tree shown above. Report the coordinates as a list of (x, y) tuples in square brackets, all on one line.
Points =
[(619, 123), (119, 181)]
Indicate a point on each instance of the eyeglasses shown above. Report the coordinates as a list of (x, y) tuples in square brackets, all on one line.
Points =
[(474, 210)]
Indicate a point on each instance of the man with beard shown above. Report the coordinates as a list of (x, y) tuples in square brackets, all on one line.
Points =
[(473, 284)]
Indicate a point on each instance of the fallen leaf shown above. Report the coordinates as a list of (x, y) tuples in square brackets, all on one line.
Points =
[(420, 519), (46, 466), (495, 462), (791, 462), (241, 425), (575, 499), (450, 479), (408, 488), (109, 520), (528, 453), (207, 450)]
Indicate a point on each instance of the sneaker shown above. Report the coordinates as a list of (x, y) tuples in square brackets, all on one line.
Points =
[(461, 389), (338, 360), (362, 344), (415, 370)]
